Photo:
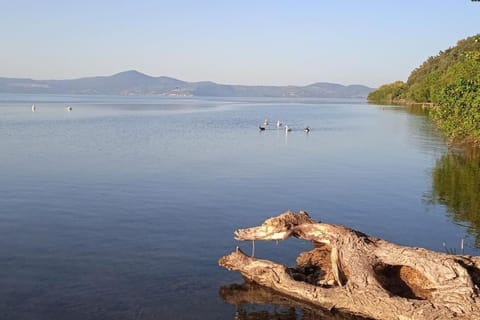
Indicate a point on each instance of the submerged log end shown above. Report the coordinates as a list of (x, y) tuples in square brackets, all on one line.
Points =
[(233, 260), (276, 228)]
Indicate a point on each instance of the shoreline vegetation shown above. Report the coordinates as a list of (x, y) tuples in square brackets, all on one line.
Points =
[(448, 85)]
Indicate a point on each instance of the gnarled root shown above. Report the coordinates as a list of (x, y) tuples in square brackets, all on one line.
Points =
[(350, 271)]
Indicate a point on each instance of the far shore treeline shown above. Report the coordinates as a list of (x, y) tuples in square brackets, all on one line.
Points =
[(450, 82)]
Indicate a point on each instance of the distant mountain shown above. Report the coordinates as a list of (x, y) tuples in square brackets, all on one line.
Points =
[(136, 83)]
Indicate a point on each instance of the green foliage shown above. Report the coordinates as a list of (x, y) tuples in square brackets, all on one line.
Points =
[(459, 114), (459, 99), (450, 80), (426, 82), (388, 93)]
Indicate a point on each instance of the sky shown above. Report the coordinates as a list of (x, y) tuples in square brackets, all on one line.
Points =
[(257, 42)]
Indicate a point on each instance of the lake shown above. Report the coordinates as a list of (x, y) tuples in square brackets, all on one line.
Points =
[(121, 208)]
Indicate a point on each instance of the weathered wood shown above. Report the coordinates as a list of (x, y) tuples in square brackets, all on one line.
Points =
[(350, 271)]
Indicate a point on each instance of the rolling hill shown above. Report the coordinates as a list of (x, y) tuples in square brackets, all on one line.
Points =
[(136, 83)]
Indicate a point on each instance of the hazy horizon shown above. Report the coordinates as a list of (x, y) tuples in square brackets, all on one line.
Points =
[(247, 43)]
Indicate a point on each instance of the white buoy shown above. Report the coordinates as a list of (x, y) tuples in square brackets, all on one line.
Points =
[(33, 108)]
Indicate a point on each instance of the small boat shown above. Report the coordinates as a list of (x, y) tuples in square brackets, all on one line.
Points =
[(33, 107), (265, 122), (68, 108), (307, 129), (287, 129), (261, 128), (279, 124)]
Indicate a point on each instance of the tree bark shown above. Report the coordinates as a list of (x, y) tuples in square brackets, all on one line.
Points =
[(352, 272)]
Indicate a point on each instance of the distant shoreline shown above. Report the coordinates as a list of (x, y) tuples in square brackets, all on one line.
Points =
[(134, 83)]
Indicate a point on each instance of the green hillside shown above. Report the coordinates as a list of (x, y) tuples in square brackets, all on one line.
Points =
[(450, 80)]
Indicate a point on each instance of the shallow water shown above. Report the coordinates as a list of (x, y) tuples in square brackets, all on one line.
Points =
[(121, 208)]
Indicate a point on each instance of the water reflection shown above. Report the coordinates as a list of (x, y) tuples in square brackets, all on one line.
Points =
[(424, 133), (254, 302), (417, 110), (456, 184)]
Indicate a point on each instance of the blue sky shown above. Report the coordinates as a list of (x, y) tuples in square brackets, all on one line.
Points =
[(237, 42)]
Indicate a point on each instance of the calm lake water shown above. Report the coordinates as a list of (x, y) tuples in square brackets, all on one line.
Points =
[(121, 208)]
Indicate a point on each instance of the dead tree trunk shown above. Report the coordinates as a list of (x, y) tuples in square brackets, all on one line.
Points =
[(350, 271)]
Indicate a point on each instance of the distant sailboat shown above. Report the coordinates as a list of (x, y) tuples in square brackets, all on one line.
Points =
[(33, 108)]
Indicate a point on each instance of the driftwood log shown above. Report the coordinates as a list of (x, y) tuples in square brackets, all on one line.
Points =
[(349, 271)]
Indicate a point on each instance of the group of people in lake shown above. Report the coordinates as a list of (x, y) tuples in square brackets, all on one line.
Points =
[(279, 126)]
